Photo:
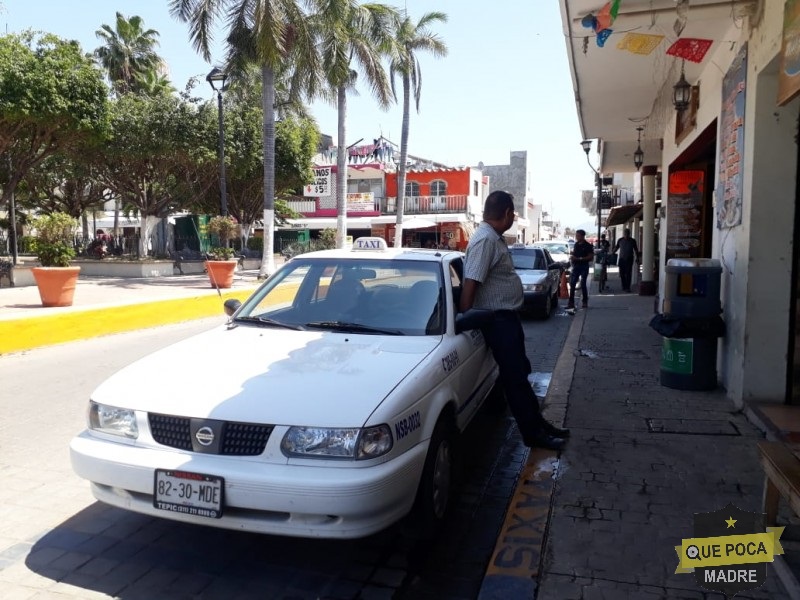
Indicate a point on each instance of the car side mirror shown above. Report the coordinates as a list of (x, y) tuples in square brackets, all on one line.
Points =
[(231, 306), (474, 318)]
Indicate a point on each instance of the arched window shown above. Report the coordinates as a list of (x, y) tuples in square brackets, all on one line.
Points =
[(438, 188), (412, 188)]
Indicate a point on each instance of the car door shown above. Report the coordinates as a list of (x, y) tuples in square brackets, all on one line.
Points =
[(468, 355), (552, 272)]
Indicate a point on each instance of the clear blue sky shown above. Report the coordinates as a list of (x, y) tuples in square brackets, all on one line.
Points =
[(504, 85)]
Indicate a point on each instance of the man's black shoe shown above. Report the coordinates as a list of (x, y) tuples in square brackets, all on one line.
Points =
[(543, 440), (551, 429)]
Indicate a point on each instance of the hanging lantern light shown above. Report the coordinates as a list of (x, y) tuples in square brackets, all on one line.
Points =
[(681, 92), (638, 156)]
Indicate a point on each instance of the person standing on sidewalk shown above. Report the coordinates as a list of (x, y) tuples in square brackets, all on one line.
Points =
[(627, 248), (491, 283), (580, 257)]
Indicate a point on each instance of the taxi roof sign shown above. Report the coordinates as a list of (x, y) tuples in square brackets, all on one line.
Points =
[(369, 243)]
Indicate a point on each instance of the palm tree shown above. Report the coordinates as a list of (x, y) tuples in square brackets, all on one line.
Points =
[(349, 33), (128, 52), (273, 33), (411, 39)]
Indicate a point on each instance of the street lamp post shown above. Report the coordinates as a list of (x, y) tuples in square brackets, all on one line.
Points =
[(218, 77), (587, 145)]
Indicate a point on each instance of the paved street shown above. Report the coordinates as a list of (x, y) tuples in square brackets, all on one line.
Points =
[(600, 520), (57, 542)]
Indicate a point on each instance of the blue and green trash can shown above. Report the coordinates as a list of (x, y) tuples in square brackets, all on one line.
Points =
[(690, 324)]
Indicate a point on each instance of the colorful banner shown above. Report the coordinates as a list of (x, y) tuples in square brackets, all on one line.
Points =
[(730, 185), (691, 49), (639, 43), (789, 71)]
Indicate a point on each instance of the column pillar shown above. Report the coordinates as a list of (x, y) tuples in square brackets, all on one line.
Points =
[(649, 285)]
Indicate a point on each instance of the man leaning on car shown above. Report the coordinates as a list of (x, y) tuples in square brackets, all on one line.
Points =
[(491, 283)]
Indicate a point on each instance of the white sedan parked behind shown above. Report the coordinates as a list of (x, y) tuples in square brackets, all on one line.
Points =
[(327, 406)]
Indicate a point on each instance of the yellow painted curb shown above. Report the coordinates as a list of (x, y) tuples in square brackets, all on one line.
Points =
[(34, 332)]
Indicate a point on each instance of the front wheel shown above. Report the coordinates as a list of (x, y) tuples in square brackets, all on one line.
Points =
[(433, 494)]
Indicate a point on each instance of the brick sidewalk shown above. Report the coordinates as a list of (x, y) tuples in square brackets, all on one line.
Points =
[(642, 460)]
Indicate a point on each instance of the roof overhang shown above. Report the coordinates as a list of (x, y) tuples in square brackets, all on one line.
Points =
[(617, 90), (620, 215)]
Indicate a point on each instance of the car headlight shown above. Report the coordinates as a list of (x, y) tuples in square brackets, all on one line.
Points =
[(533, 287), (324, 442), (113, 420)]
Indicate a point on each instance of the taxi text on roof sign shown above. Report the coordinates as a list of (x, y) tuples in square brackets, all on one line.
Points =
[(369, 243)]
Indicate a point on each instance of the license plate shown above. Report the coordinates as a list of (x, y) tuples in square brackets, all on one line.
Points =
[(189, 493)]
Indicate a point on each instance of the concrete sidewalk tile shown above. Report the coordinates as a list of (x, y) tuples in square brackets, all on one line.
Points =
[(642, 460)]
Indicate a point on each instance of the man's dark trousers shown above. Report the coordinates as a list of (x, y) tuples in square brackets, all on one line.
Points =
[(506, 338), (579, 272), (625, 269)]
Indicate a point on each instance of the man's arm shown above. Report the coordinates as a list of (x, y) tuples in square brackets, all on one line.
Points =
[(468, 289)]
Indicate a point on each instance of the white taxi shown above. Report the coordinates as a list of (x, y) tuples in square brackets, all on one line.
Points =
[(337, 393)]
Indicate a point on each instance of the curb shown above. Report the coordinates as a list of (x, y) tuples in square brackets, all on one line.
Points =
[(517, 560), (26, 333)]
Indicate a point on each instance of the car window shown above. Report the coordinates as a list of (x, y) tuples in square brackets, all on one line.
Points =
[(403, 296), (527, 258)]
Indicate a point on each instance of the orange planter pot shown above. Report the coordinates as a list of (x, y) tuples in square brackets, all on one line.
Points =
[(220, 272), (56, 284)]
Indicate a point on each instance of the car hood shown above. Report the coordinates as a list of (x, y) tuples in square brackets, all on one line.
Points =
[(532, 275), (268, 375)]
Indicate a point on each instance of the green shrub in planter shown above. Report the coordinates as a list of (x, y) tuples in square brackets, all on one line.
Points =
[(54, 236)]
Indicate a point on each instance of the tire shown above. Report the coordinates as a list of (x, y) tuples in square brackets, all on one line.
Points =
[(435, 486), (547, 310)]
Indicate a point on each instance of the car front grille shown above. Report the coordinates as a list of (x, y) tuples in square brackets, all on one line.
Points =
[(237, 439)]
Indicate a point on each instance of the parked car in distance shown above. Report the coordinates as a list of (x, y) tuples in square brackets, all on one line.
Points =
[(540, 276), (327, 406), (558, 249)]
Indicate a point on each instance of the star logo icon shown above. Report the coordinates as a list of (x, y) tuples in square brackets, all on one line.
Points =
[(730, 521)]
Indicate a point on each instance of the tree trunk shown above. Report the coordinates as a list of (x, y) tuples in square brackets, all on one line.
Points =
[(341, 169), (147, 225), (268, 107), (401, 169)]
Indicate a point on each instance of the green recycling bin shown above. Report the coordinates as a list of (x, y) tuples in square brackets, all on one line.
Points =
[(689, 363)]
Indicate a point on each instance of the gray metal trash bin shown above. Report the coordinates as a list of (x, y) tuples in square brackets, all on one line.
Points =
[(692, 287), (690, 324)]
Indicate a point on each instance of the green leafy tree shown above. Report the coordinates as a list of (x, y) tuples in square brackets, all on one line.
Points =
[(128, 54), (411, 39), (271, 34), (296, 141), (156, 156), (352, 36), (52, 100), (67, 183)]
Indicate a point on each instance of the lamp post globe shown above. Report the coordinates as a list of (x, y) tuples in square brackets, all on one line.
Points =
[(217, 79), (587, 146)]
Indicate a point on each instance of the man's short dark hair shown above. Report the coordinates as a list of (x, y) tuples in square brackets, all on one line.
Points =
[(497, 203), (581, 231)]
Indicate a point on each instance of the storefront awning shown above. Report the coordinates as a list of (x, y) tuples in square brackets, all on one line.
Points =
[(622, 214)]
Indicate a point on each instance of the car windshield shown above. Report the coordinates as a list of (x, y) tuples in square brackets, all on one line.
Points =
[(380, 297), (555, 248), (528, 258)]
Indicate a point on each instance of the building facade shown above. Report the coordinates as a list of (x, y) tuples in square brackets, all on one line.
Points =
[(723, 161)]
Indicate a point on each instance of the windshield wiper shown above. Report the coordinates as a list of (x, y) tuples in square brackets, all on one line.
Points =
[(356, 327), (268, 321)]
